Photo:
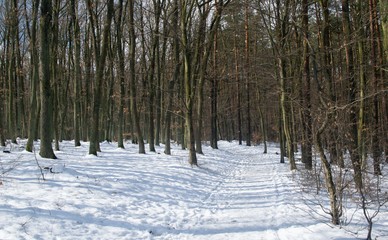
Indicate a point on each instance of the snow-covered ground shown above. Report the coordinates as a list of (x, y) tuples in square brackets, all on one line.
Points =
[(236, 193)]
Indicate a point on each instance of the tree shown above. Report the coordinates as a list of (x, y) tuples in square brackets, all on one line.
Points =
[(12, 68), (349, 76), (77, 73), (247, 76), (281, 35), (121, 71), (187, 8), (100, 62), (306, 92), (132, 65), (33, 117), (207, 43), (46, 126), (384, 26), (376, 60), (174, 78)]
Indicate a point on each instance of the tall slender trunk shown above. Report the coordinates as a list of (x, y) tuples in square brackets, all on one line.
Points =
[(285, 113), (132, 63), (34, 79), (13, 38), (306, 112), (247, 77), (151, 75), (46, 127), (214, 96), (100, 60), (238, 83), (333, 144), (171, 83), (121, 73), (87, 86), (384, 26), (77, 74), (376, 78), (353, 131), (54, 72), (199, 69), (282, 26), (186, 11)]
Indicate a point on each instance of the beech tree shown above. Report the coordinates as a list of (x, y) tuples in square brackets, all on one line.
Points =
[(100, 53), (46, 126), (33, 117)]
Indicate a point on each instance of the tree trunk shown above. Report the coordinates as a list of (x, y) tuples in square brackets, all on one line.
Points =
[(175, 78), (330, 185), (353, 131), (12, 71), (34, 79), (151, 75), (46, 127), (238, 82), (285, 114), (54, 72), (121, 73), (247, 78), (186, 11), (328, 77), (263, 127), (213, 97), (376, 78), (77, 74), (306, 112), (384, 26), (362, 82), (132, 63), (87, 87), (100, 62)]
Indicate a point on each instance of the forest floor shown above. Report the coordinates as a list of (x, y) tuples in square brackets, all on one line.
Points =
[(237, 192)]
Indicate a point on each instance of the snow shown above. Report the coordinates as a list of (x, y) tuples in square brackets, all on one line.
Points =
[(237, 192)]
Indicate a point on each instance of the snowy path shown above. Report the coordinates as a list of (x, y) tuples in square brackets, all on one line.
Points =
[(245, 203), (236, 193)]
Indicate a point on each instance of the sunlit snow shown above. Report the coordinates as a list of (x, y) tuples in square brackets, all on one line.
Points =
[(237, 192)]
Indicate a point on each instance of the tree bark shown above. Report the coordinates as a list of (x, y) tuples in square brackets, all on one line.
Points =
[(353, 131), (100, 62), (384, 26), (132, 63), (175, 78), (330, 185), (306, 98), (376, 78), (46, 127), (247, 77), (214, 97), (328, 77), (34, 79), (77, 73), (189, 93), (282, 26), (121, 73)]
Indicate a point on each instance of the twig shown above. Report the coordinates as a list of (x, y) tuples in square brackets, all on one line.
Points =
[(40, 168)]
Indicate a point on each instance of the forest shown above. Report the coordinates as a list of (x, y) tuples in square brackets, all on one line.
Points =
[(308, 74)]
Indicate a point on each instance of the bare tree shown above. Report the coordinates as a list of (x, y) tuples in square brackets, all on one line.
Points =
[(100, 62), (132, 63), (35, 76), (46, 126)]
